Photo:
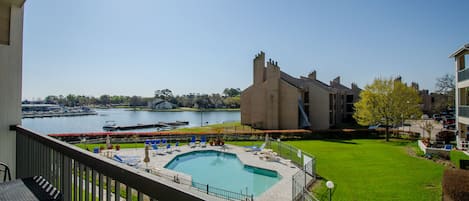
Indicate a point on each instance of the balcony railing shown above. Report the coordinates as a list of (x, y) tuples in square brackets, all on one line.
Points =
[(81, 175), (463, 111), (463, 74)]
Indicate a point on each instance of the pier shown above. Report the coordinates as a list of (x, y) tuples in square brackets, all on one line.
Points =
[(57, 114), (140, 126)]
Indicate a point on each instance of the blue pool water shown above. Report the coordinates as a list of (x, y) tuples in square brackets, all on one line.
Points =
[(224, 170)]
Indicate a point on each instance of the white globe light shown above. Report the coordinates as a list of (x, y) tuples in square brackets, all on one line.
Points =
[(330, 184)]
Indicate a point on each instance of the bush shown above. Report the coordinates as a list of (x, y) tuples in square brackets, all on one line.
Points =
[(455, 185), (446, 136)]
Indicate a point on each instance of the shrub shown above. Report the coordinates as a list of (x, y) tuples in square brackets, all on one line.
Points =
[(446, 136), (455, 185)]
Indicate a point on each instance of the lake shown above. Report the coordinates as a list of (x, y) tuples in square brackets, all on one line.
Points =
[(95, 123)]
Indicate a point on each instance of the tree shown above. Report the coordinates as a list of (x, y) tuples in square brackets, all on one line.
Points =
[(446, 86), (105, 99), (164, 94), (387, 102), (232, 92)]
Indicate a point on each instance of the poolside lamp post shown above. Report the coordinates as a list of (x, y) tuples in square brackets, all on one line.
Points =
[(330, 186)]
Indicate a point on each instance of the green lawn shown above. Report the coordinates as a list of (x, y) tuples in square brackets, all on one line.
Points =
[(374, 170), (228, 126), (456, 156)]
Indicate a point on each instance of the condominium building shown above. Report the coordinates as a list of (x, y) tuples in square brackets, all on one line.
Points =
[(277, 100), (462, 94)]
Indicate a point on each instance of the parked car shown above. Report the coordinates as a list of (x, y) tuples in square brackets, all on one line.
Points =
[(378, 126), (436, 117), (449, 121), (450, 126)]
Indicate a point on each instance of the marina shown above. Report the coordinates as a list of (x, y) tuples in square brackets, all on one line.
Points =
[(52, 110)]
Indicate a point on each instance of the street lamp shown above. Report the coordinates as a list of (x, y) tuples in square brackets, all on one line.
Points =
[(330, 186)]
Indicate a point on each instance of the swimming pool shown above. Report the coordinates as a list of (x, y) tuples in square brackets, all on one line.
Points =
[(224, 170)]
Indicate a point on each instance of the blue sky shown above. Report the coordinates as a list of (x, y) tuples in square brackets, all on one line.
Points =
[(94, 47)]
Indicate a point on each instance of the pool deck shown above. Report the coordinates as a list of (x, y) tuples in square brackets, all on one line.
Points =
[(282, 190)]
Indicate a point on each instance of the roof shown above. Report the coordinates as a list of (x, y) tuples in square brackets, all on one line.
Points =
[(460, 50), (13, 2), (302, 83)]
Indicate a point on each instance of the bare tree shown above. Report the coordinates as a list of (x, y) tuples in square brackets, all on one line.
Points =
[(446, 86)]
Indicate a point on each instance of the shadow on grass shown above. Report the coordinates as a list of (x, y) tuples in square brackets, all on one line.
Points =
[(339, 141), (399, 142)]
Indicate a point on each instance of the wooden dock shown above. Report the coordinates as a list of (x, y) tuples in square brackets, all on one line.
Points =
[(141, 126)]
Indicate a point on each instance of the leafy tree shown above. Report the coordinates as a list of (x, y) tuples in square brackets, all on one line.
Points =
[(232, 102), (51, 100), (164, 94), (387, 102), (105, 99), (232, 92)]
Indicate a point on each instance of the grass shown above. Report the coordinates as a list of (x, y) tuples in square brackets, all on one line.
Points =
[(374, 170), (221, 128), (455, 156)]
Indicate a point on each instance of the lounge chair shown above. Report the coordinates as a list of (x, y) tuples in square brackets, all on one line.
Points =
[(256, 150), (203, 142), (164, 142), (168, 149), (157, 142), (128, 161), (192, 142), (176, 146), (448, 147), (157, 150)]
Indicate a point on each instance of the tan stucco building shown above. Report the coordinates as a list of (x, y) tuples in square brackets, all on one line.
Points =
[(11, 56), (277, 100)]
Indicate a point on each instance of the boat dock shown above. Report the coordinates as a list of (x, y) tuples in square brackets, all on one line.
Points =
[(140, 126), (57, 114)]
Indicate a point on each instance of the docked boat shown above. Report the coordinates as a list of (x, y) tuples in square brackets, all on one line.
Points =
[(110, 126)]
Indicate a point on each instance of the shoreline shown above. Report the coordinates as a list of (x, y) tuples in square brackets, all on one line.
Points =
[(181, 109)]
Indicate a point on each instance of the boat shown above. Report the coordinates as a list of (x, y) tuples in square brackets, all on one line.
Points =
[(110, 126)]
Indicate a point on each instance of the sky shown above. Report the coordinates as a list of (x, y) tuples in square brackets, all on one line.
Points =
[(95, 47)]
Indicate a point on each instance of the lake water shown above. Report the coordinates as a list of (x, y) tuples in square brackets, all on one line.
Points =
[(95, 123)]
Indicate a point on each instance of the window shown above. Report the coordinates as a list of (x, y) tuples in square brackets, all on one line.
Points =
[(4, 24), (349, 108), (349, 98), (306, 97)]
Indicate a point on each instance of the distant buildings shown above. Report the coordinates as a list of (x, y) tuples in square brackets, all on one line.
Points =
[(160, 104), (432, 103), (277, 100), (462, 95)]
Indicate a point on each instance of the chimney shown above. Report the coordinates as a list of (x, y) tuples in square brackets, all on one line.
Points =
[(312, 75), (337, 80), (415, 85)]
